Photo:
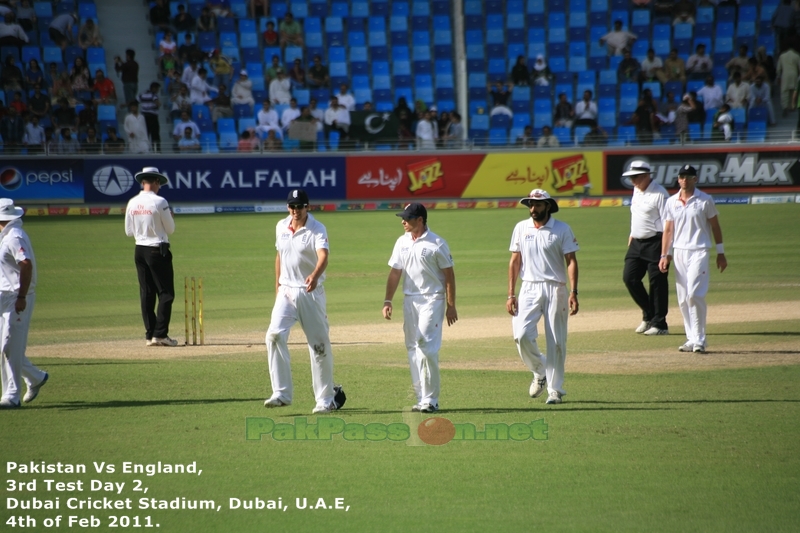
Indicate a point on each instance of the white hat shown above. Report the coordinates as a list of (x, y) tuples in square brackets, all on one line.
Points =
[(540, 195), (151, 173), (8, 211), (243, 72), (637, 168)]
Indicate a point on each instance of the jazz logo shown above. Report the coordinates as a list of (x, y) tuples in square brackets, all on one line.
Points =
[(425, 176), (570, 172)]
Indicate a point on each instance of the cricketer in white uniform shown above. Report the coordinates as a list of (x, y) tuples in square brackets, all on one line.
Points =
[(17, 298), (302, 244), (429, 290), (691, 220), (543, 255)]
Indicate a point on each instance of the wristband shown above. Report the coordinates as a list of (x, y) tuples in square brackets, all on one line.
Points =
[(20, 297), (387, 302), (720, 248), (663, 256), (512, 296), (574, 291)]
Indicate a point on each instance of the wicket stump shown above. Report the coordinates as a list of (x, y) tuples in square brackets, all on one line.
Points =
[(197, 309)]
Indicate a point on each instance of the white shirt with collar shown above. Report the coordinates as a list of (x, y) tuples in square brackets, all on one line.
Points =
[(148, 219), (198, 91), (543, 250), (586, 110), (288, 116), (648, 211), (712, 96), (691, 228), (298, 250), (280, 91), (422, 261), (181, 126), (347, 100), (15, 247)]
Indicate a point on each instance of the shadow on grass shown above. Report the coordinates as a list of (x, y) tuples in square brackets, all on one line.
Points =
[(685, 401), (494, 411), (765, 333), (96, 363), (753, 352), (115, 404)]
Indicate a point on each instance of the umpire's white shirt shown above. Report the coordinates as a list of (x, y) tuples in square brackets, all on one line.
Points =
[(298, 250), (691, 228), (648, 211), (148, 219), (15, 247), (422, 260), (543, 250)]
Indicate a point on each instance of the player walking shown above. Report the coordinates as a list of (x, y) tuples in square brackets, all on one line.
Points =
[(429, 290), (690, 220), (302, 244), (543, 255), (644, 248)]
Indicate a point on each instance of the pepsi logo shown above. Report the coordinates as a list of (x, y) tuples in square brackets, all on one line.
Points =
[(10, 179)]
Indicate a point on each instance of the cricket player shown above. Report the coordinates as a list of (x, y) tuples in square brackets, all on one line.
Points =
[(302, 244), (429, 290), (690, 221), (543, 255), (644, 248), (17, 298), (148, 219)]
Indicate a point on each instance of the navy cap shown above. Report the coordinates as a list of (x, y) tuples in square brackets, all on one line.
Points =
[(414, 210), (297, 196), (688, 170)]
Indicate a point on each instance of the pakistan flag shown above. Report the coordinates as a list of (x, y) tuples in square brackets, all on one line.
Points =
[(373, 126)]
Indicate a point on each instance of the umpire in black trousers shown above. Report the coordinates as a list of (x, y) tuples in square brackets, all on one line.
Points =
[(149, 106), (644, 249), (148, 218)]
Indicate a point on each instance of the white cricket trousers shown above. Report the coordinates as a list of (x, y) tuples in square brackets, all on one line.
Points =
[(691, 284), (294, 304), (423, 319), (548, 299), (13, 342)]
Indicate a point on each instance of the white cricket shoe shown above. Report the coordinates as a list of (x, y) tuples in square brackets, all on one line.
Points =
[(699, 348), (686, 347), (538, 386), (33, 390), (554, 397), (324, 409), (163, 341), (275, 402), (642, 327), (656, 331)]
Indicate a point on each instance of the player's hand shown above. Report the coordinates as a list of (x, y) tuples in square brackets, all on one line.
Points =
[(573, 304), (451, 315), (311, 283), (663, 264), (722, 262), (387, 311), (20, 305), (511, 306)]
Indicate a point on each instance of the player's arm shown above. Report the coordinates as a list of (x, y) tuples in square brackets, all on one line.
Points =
[(572, 273), (514, 266), (450, 292), (25, 276), (322, 264), (666, 243), (166, 218), (391, 287), (129, 229), (277, 271), (722, 262)]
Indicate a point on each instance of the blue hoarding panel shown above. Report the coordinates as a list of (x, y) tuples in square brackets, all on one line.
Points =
[(42, 180)]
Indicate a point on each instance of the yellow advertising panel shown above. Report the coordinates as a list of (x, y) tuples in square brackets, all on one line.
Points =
[(559, 173)]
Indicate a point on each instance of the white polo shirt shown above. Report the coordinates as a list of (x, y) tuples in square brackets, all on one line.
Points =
[(543, 250), (15, 246), (691, 228), (647, 211), (148, 219), (298, 250), (422, 260)]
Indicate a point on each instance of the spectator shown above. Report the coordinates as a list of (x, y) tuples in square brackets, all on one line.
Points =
[(434, 123), (547, 140), (290, 31), (188, 143), (699, 65), (617, 40), (711, 93), (629, 68), (104, 87), (267, 120), (766, 62), (683, 17), (12, 130), (60, 29), (11, 33), (18, 104), (65, 116), (520, 74), (258, 8), (738, 93), (180, 127), (305, 116), (26, 16), (740, 63), (526, 139), (66, 143), (87, 117), (199, 89), (297, 76), (783, 22), (663, 9), (541, 75), (684, 6), (62, 88), (272, 71), (220, 8), (674, 68), (651, 66), (242, 92), (221, 68), (426, 138), (91, 144), (756, 69), (405, 136), (129, 73), (595, 137), (318, 74), (682, 113), (11, 76), (280, 89), (270, 36), (586, 111), (183, 21), (248, 142), (159, 15), (723, 125), (34, 136), (337, 118), (81, 79), (564, 114), (189, 72), (189, 51), (207, 20), (136, 129), (317, 113), (698, 114), (788, 72), (221, 105), (39, 102), (500, 96), (167, 46), (113, 145), (89, 35), (272, 143), (51, 76), (289, 115), (760, 96), (180, 103), (33, 74), (346, 99), (149, 105), (454, 134), (441, 124), (168, 63), (644, 117), (667, 109)]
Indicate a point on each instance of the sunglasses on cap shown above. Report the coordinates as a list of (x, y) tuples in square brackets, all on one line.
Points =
[(297, 206)]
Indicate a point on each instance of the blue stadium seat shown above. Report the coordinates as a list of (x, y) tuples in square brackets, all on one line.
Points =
[(421, 9)]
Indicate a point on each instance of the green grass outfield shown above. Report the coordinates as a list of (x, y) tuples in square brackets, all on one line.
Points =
[(714, 450)]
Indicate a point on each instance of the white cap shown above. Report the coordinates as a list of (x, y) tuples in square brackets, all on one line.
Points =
[(8, 211), (636, 168)]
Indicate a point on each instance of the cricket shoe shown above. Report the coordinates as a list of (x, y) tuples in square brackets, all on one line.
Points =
[(8, 404), (275, 402), (699, 348), (33, 391), (656, 331), (163, 341), (642, 327), (324, 409), (686, 347), (538, 386), (425, 407), (554, 397)]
